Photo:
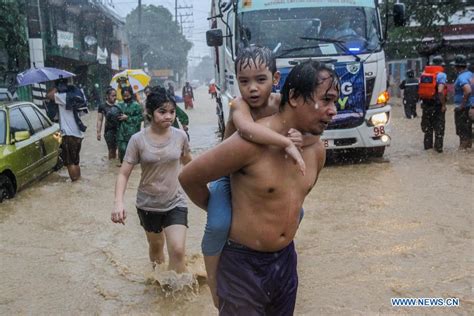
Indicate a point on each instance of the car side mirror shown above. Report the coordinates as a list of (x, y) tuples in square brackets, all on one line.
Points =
[(214, 37), (21, 136), (399, 14)]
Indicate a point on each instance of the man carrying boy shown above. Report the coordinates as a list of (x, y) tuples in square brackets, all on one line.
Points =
[(257, 268), (256, 73)]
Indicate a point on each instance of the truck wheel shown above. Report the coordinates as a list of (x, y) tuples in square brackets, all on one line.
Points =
[(7, 191), (376, 151)]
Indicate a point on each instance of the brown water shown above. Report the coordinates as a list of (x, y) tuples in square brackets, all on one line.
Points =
[(374, 229)]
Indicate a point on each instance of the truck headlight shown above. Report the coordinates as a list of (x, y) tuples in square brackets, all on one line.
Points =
[(378, 119)]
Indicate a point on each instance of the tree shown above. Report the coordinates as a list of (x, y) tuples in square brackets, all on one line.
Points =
[(158, 40), (424, 19), (13, 40), (204, 71)]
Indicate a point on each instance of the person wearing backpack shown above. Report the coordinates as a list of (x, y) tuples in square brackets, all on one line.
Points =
[(71, 104), (410, 94), (432, 91), (463, 101)]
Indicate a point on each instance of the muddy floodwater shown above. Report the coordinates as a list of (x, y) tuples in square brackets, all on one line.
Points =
[(400, 226)]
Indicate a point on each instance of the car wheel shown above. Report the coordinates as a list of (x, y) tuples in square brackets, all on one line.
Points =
[(59, 164), (7, 191)]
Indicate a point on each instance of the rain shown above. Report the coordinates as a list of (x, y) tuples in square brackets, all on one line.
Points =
[(384, 228)]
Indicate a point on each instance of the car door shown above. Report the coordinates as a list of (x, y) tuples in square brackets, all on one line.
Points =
[(43, 133), (27, 152)]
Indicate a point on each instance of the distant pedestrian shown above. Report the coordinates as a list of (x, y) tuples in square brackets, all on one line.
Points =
[(94, 97), (160, 149), (212, 90), (188, 96), (463, 102), (171, 89), (432, 90), (130, 120), (71, 103), (410, 94), (111, 112)]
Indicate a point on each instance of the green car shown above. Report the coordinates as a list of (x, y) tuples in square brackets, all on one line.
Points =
[(29, 146)]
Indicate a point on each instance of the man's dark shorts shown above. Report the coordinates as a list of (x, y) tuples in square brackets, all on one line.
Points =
[(154, 222), (251, 282), (70, 149)]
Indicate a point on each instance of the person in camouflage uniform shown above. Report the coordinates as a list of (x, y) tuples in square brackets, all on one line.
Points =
[(130, 120)]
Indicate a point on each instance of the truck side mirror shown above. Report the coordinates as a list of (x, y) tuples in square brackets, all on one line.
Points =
[(214, 37), (399, 14)]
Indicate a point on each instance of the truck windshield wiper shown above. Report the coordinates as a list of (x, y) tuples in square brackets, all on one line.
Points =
[(295, 49), (338, 43)]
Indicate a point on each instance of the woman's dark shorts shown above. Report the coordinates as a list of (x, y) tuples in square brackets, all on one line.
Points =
[(70, 149), (154, 222)]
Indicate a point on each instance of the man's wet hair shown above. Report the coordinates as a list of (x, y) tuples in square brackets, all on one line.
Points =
[(157, 98), (304, 78), (259, 55)]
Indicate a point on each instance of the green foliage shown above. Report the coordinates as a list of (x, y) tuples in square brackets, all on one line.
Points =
[(425, 18), (157, 41), (13, 34), (204, 71)]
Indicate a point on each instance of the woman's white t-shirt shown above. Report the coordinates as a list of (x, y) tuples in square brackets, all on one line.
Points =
[(159, 189)]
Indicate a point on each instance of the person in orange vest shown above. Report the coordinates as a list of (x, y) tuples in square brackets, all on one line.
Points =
[(434, 109), (212, 90)]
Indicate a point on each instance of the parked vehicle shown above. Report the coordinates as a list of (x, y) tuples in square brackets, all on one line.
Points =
[(29, 146), (6, 95), (346, 35)]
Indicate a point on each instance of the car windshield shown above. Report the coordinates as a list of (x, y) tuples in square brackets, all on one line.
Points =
[(282, 30), (3, 127)]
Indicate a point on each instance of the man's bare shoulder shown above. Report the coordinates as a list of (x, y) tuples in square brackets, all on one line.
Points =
[(317, 145)]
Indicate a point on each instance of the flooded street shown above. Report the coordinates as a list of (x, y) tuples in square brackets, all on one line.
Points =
[(400, 226)]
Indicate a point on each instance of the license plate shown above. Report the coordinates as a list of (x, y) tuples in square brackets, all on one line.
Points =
[(328, 143), (379, 131)]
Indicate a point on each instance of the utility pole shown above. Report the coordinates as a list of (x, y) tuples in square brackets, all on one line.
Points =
[(179, 7), (181, 20), (139, 13), (140, 54)]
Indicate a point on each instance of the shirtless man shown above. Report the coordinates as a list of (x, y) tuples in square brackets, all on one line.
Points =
[(257, 269)]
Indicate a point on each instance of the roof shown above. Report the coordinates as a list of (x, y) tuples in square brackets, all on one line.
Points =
[(10, 104), (108, 10)]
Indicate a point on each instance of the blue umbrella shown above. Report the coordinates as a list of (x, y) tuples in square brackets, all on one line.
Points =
[(43, 74), (178, 99)]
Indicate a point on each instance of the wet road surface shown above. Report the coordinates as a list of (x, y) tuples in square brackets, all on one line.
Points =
[(400, 226)]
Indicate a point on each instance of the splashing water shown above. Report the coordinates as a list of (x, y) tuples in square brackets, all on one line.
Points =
[(175, 285)]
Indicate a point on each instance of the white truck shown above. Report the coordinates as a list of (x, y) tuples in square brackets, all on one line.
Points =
[(344, 33)]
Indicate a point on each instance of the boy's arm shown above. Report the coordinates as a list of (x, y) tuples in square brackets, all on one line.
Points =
[(229, 156), (260, 134), (252, 131)]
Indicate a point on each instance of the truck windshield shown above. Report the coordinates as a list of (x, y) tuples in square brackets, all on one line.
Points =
[(291, 29)]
